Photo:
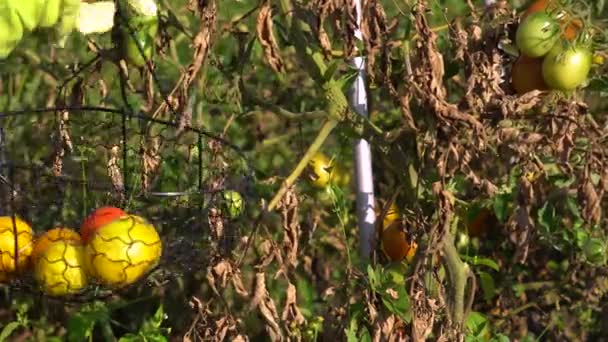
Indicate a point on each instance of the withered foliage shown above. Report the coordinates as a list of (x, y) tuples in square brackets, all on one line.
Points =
[(468, 125), (264, 29)]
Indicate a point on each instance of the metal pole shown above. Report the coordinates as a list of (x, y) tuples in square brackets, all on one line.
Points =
[(363, 157)]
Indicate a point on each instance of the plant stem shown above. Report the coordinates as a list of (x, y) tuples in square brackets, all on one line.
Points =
[(326, 129), (457, 276)]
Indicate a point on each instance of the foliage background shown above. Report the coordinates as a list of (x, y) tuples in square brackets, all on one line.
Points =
[(81, 130)]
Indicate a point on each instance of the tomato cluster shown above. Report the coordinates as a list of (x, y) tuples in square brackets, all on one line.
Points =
[(554, 52), (114, 247)]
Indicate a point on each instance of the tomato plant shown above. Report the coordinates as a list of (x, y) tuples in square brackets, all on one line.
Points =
[(570, 27), (567, 67), (537, 34)]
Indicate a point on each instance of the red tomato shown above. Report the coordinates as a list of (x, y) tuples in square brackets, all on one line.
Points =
[(527, 75), (98, 218)]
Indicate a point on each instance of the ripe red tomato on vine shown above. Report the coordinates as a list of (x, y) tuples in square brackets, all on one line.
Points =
[(527, 75)]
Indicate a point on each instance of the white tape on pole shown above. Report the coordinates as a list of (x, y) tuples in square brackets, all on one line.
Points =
[(363, 157)]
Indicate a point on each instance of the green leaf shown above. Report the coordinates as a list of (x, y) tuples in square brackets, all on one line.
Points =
[(547, 218), (599, 84), (129, 338), (399, 306), (478, 326), (500, 338), (374, 278), (351, 331), (80, 325), (8, 330), (501, 206), (476, 261), (487, 285), (365, 335), (331, 70)]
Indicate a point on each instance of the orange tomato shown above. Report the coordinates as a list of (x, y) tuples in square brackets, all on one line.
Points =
[(395, 243), (527, 75), (98, 218), (536, 6)]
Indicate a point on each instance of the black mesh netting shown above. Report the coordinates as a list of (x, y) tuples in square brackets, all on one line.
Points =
[(59, 165)]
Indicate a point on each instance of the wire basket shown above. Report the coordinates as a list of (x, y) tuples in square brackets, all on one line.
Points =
[(80, 159)]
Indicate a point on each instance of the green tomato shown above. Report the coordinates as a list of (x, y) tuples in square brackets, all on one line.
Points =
[(566, 68), (142, 40), (537, 34), (594, 250), (233, 203)]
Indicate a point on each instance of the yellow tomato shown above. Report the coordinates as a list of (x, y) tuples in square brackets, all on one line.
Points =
[(53, 235), (392, 213), (15, 246), (121, 252), (60, 268), (320, 170)]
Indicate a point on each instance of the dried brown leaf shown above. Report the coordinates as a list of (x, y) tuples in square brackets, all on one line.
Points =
[(291, 227), (267, 308), (266, 38), (292, 316), (114, 170)]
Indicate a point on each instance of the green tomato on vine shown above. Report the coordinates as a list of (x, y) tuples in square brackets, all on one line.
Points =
[(594, 250), (537, 34), (232, 203)]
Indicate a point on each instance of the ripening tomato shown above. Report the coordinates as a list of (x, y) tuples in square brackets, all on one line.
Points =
[(536, 6), (392, 213), (527, 75), (395, 242), (537, 34), (565, 68), (98, 218), (572, 27)]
